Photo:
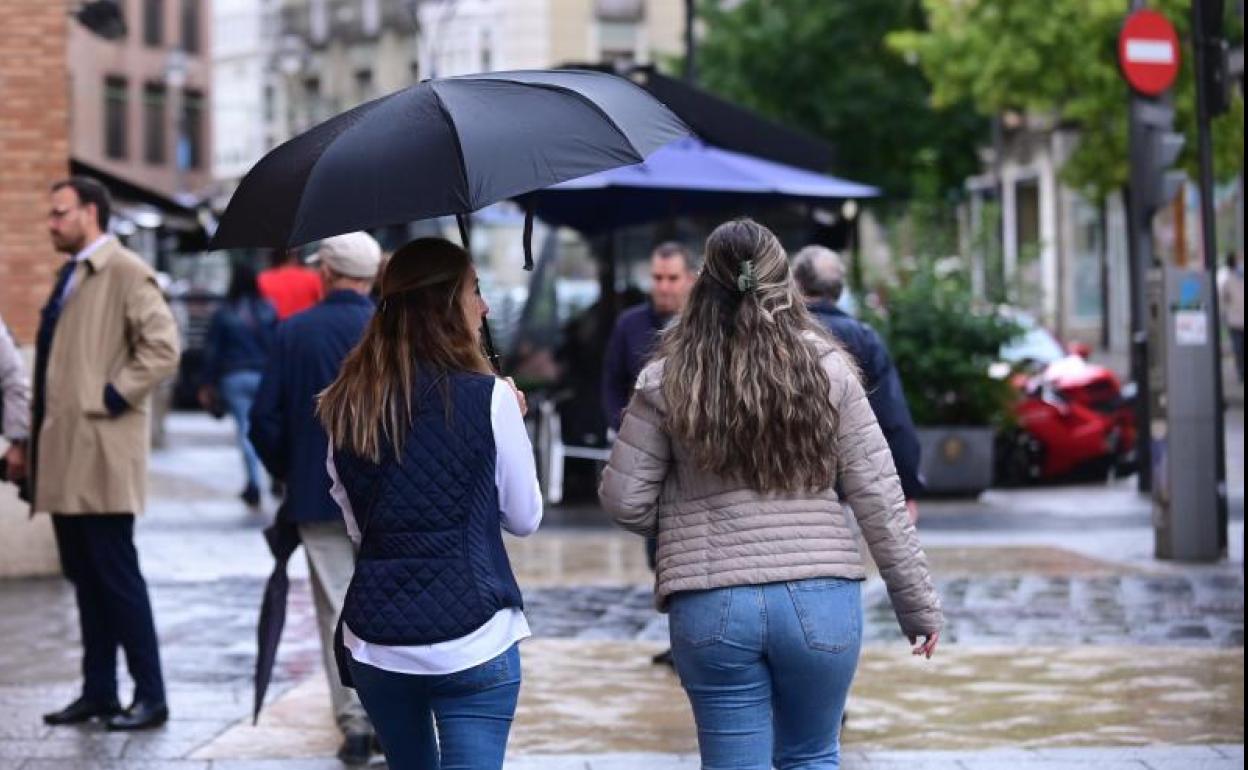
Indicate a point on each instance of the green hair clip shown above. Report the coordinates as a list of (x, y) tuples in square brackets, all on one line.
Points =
[(746, 280)]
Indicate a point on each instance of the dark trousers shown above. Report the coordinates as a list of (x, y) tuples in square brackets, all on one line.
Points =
[(1237, 347), (99, 559)]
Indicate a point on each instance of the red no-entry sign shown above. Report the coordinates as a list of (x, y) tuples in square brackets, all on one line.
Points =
[(1148, 52)]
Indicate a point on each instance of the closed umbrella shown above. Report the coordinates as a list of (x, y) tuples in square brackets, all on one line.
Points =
[(283, 539)]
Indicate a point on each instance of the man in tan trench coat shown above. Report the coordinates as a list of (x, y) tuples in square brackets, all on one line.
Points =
[(106, 339)]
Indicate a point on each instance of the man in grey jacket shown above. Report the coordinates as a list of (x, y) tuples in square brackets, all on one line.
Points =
[(14, 407)]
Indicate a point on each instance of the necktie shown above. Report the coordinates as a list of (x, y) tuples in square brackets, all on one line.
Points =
[(43, 339)]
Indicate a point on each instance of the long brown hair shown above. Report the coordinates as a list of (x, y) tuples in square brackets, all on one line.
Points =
[(420, 328), (742, 378)]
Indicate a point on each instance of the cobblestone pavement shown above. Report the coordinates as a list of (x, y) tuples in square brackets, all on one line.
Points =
[(1063, 632)]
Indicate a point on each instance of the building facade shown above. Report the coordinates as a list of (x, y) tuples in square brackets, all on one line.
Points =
[(332, 55), (140, 105), (464, 36), (244, 118), (1053, 251), (1038, 244), (34, 152)]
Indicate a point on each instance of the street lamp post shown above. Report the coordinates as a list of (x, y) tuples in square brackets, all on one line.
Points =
[(175, 80)]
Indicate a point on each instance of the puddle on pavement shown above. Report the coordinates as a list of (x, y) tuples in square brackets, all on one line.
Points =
[(612, 557), (576, 558), (591, 697), (1045, 561), (1047, 697)]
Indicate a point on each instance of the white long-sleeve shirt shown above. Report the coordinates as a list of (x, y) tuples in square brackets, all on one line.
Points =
[(14, 388), (519, 500)]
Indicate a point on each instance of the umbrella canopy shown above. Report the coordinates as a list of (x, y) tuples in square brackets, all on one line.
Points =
[(686, 176), (441, 147)]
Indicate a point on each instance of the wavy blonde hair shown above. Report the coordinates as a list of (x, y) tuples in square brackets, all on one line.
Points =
[(420, 328), (745, 391)]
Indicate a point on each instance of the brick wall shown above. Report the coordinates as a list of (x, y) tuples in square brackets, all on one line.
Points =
[(34, 151)]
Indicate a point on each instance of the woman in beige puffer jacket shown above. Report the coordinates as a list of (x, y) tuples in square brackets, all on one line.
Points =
[(733, 449)]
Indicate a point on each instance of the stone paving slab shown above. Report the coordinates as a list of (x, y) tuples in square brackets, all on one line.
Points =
[(207, 628), (1223, 757)]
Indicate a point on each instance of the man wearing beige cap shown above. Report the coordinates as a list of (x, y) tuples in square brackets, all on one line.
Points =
[(307, 353)]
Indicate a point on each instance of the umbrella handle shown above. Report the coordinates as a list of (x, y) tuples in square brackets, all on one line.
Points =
[(487, 342), (528, 232), (462, 221)]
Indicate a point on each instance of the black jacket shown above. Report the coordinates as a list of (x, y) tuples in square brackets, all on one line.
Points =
[(883, 386)]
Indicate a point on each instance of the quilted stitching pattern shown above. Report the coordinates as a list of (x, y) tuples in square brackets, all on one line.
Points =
[(427, 569), (715, 532)]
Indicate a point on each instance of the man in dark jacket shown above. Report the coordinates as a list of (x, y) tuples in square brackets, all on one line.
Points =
[(820, 275), (673, 269), (306, 355)]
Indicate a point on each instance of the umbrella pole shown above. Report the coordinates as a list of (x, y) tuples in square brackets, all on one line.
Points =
[(608, 299), (487, 339)]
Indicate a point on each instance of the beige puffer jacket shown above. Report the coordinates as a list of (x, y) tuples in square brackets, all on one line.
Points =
[(715, 532)]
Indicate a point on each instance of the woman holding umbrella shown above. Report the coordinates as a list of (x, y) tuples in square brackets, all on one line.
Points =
[(430, 461)]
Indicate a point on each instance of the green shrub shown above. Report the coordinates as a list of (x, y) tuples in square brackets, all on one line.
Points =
[(943, 345)]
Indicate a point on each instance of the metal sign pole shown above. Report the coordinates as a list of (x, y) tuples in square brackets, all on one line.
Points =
[(1140, 259), (1202, 47)]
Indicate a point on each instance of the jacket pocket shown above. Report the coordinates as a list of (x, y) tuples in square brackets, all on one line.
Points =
[(830, 611), (699, 618)]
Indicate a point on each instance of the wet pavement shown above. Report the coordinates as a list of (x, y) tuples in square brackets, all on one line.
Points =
[(1067, 646)]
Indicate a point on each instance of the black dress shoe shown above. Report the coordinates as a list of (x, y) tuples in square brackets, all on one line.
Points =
[(356, 749), (664, 659), (82, 710), (142, 715)]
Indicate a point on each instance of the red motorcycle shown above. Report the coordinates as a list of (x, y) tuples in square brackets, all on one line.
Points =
[(1074, 419)]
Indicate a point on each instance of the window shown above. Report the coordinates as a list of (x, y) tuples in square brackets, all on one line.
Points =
[(154, 120), (370, 17), (154, 23), (617, 42), (193, 129), (116, 104), (363, 85), (190, 26), (311, 100), (270, 103), (318, 21), (487, 52)]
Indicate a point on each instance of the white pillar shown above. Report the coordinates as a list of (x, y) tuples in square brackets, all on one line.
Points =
[(1050, 251)]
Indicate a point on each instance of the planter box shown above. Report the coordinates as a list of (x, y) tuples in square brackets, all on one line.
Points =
[(957, 460)]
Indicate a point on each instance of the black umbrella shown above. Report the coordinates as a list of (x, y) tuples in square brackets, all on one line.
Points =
[(442, 147), (283, 538)]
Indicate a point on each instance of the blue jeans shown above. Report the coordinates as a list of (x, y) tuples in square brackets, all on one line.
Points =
[(238, 389), (767, 669), (473, 710)]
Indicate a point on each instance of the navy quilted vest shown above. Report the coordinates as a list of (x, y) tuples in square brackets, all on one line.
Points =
[(431, 565)]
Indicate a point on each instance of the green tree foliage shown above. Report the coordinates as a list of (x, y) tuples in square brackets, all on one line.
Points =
[(1059, 57), (823, 66)]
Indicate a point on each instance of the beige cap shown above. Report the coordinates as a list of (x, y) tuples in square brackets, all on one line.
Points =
[(354, 255)]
